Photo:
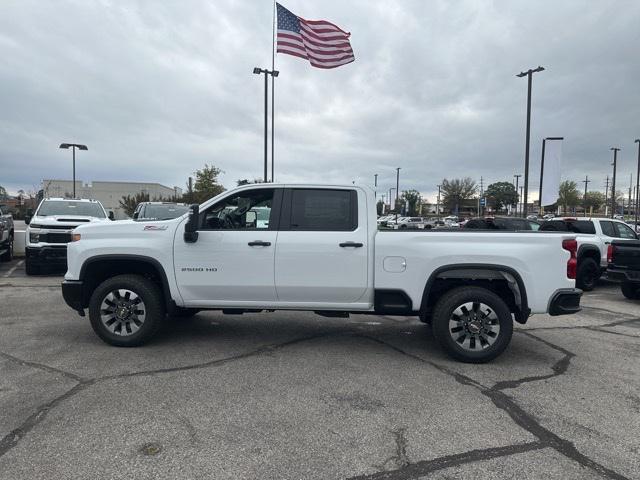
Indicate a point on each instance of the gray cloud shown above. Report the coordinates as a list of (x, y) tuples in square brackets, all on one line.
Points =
[(156, 89)]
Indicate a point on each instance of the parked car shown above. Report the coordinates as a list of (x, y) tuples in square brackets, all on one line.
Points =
[(7, 235), (502, 223), (548, 216), (533, 217), (415, 223), (51, 228), (618, 217), (146, 211), (624, 265), (594, 237), (320, 252)]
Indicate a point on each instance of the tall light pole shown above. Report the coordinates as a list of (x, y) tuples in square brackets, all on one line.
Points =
[(397, 190), (613, 181), (273, 73), (637, 184), (375, 184), (517, 177), (529, 74), (586, 182), (73, 146)]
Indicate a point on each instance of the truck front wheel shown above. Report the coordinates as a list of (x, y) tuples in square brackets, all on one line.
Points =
[(126, 310), (472, 324)]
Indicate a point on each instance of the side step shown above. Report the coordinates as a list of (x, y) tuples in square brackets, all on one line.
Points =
[(331, 313)]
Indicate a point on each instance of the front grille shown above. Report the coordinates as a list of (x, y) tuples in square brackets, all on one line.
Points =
[(55, 237), (58, 227)]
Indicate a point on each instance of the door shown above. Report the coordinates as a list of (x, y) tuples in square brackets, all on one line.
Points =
[(232, 260), (322, 251)]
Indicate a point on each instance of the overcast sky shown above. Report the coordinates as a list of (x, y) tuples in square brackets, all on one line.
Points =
[(157, 89)]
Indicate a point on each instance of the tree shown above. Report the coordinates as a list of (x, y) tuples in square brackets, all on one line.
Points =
[(206, 185), (456, 190), (412, 199), (501, 194), (593, 200), (129, 202), (3, 193), (380, 207), (569, 196)]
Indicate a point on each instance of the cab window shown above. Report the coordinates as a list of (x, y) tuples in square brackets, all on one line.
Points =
[(623, 231), (249, 210)]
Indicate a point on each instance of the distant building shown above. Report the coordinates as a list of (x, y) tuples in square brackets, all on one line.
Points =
[(109, 193)]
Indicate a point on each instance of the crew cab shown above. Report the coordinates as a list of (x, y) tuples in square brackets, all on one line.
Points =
[(320, 251), (51, 227), (624, 266), (594, 237), (7, 234)]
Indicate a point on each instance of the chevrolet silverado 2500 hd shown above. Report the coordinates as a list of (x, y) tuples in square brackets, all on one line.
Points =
[(319, 251)]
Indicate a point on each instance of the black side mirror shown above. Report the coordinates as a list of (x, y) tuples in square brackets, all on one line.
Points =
[(111, 216), (27, 219), (191, 227)]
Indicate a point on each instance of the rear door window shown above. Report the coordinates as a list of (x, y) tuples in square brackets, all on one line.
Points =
[(623, 231), (324, 210), (607, 228)]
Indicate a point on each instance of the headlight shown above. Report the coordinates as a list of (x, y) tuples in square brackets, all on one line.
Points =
[(34, 237), (75, 237)]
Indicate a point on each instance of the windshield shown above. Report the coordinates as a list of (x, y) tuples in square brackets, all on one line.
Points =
[(163, 212), (70, 207)]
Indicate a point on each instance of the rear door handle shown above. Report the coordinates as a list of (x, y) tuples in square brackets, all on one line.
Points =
[(259, 243), (351, 244)]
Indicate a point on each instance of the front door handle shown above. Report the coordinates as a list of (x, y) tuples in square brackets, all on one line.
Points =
[(351, 244), (259, 243)]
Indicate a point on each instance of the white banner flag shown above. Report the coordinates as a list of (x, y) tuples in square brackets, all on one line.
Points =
[(551, 174)]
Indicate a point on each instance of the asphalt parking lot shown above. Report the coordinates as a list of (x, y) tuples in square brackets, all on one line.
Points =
[(299, 396)]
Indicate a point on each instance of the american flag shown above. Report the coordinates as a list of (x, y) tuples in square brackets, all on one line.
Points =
[(324, 44)]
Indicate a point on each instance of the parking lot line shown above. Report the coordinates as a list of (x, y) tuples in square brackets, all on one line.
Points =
[(8, 274)]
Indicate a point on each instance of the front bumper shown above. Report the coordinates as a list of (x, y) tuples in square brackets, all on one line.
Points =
[(73, 293), (47, 255), (565, 302)]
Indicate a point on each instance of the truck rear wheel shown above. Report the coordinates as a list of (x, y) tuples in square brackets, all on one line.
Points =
[(588, 274), (126, 310), (472, 324), (631, 290)]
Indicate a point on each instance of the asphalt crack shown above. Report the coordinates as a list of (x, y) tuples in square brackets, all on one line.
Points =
[(502, 401), (399, 459)]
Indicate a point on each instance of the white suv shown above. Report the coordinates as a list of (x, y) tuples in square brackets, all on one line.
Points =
[(50, 229)]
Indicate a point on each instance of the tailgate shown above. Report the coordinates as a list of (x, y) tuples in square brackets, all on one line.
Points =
[(626, 255)]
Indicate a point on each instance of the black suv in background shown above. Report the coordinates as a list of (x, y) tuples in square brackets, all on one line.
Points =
[(148, 211)]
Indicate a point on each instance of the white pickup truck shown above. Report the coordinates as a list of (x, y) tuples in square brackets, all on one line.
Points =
[(320, 251)]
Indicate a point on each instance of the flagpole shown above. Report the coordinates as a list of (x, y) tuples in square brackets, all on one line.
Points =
[(273, 88)]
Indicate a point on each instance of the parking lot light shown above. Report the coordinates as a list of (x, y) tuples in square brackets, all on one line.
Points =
[(73, 146)]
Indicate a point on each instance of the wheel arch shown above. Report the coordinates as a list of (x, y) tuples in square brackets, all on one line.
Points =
[(97, 269), (492, 277), (589, 251)]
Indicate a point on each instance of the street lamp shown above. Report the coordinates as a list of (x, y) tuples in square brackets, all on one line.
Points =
[(397, 190), (529, 74), (273, 73), (73, 146), (637, 183), (613, 181)]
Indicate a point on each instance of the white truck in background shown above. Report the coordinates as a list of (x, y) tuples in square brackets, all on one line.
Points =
[(319, 251)]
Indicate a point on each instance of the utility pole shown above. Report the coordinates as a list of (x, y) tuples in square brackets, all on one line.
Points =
[(613, 181), (586, 182), (630, 189), (606, 198), (518, 200), (521, 188), (480, 208), (438, 203), (529, 74)]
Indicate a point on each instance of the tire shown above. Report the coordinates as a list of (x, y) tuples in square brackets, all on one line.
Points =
[(30, 268), (467, 338), (8, 255), (631, 290), (126, 310), (588, 274)]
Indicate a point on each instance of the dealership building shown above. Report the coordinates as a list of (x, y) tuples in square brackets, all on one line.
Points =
[(108, 193)]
